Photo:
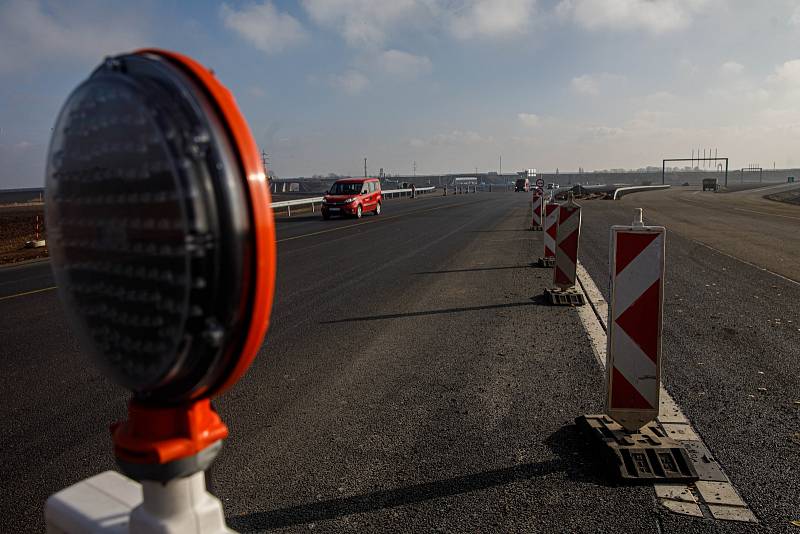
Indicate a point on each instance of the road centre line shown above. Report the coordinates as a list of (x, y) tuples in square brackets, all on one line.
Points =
[(349, 226), (7, 297), (686, 499)]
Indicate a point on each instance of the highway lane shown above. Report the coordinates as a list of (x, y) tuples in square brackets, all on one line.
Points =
[(406, 381), (411, 380), (729, 329), (742, 223), (24, 278)]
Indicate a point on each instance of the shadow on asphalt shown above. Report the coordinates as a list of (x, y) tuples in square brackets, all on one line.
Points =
[(567, 444), (476, 269), (536, 300), (495, 231), (298, 218)]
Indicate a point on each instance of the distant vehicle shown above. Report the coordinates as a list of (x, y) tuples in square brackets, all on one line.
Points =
[(354, 197), (522, 184), (553, 186), (710, 184)]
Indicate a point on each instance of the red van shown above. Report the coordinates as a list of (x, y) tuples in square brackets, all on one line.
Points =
[(353, 196)]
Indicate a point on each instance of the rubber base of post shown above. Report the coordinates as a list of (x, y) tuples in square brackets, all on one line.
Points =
[(545, 262), (645, 456), (565, 297)]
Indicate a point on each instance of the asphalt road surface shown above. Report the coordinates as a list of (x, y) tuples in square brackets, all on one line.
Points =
[(413, 380)]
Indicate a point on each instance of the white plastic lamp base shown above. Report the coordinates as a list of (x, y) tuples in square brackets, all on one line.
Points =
[(110, 503)]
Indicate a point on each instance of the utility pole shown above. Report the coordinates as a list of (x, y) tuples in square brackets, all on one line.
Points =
[(264, 161), (365, 167)]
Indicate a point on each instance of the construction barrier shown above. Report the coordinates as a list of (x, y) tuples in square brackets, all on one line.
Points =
[(636, 260), (567, 239), (538, 207), (550, 232)]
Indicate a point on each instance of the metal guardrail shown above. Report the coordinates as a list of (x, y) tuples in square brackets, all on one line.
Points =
[(388, 193), (637, 189)]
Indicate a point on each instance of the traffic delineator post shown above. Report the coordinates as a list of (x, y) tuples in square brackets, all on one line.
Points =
[(538, 202), (634, 445), (548, 259), (636, 261), (566, 256)]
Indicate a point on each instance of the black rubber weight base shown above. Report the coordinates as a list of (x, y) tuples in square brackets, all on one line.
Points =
[(546, 262), (636, 457), (565, 297)]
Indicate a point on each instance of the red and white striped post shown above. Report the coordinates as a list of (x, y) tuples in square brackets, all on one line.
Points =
[(538, 202), (567, 239), (550, 231), (634, 325)]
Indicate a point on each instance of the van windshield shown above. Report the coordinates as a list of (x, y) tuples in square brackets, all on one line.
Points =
[(346, 188)]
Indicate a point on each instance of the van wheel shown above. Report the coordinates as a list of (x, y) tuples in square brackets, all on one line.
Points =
[(378, 208), (326, 216), (358, 212)]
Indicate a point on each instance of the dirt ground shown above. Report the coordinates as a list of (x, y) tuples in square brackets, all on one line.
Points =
[(17, 226)]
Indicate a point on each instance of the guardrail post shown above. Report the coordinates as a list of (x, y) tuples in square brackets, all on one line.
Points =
[(289, 209)]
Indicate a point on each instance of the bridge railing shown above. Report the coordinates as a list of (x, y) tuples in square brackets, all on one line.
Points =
[(300, 202)]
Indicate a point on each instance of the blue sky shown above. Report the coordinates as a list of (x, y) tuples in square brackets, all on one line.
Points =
[(450, 84)]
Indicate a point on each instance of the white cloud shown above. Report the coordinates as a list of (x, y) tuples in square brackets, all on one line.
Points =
[(372, 23), (648, 119), (363, 22), (459, 137), (659, 98), (492, 18), (603, 132), (454, 138), (731, 67), (351, 82), (585, 85), (787, 74), (263, 26), (529, 119), (404, 65), (794, 20), (593, 84), (31, 33), (654, 16)]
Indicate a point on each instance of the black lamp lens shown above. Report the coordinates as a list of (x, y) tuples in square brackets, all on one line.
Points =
[(144, 206)]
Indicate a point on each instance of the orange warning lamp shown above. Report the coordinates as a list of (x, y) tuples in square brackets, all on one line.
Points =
[(163, 248)]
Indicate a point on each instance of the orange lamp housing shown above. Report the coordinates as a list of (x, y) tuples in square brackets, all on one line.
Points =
[(163, 246)]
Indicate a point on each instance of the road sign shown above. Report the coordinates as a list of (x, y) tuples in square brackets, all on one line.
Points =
[(539, 182), (567, 239), (634, 326)]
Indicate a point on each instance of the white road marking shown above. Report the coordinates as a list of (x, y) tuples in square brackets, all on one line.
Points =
[(767, 213), (760, 268), (718, 500)]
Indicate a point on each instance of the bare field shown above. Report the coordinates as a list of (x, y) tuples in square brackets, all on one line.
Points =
[(17, 226)]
